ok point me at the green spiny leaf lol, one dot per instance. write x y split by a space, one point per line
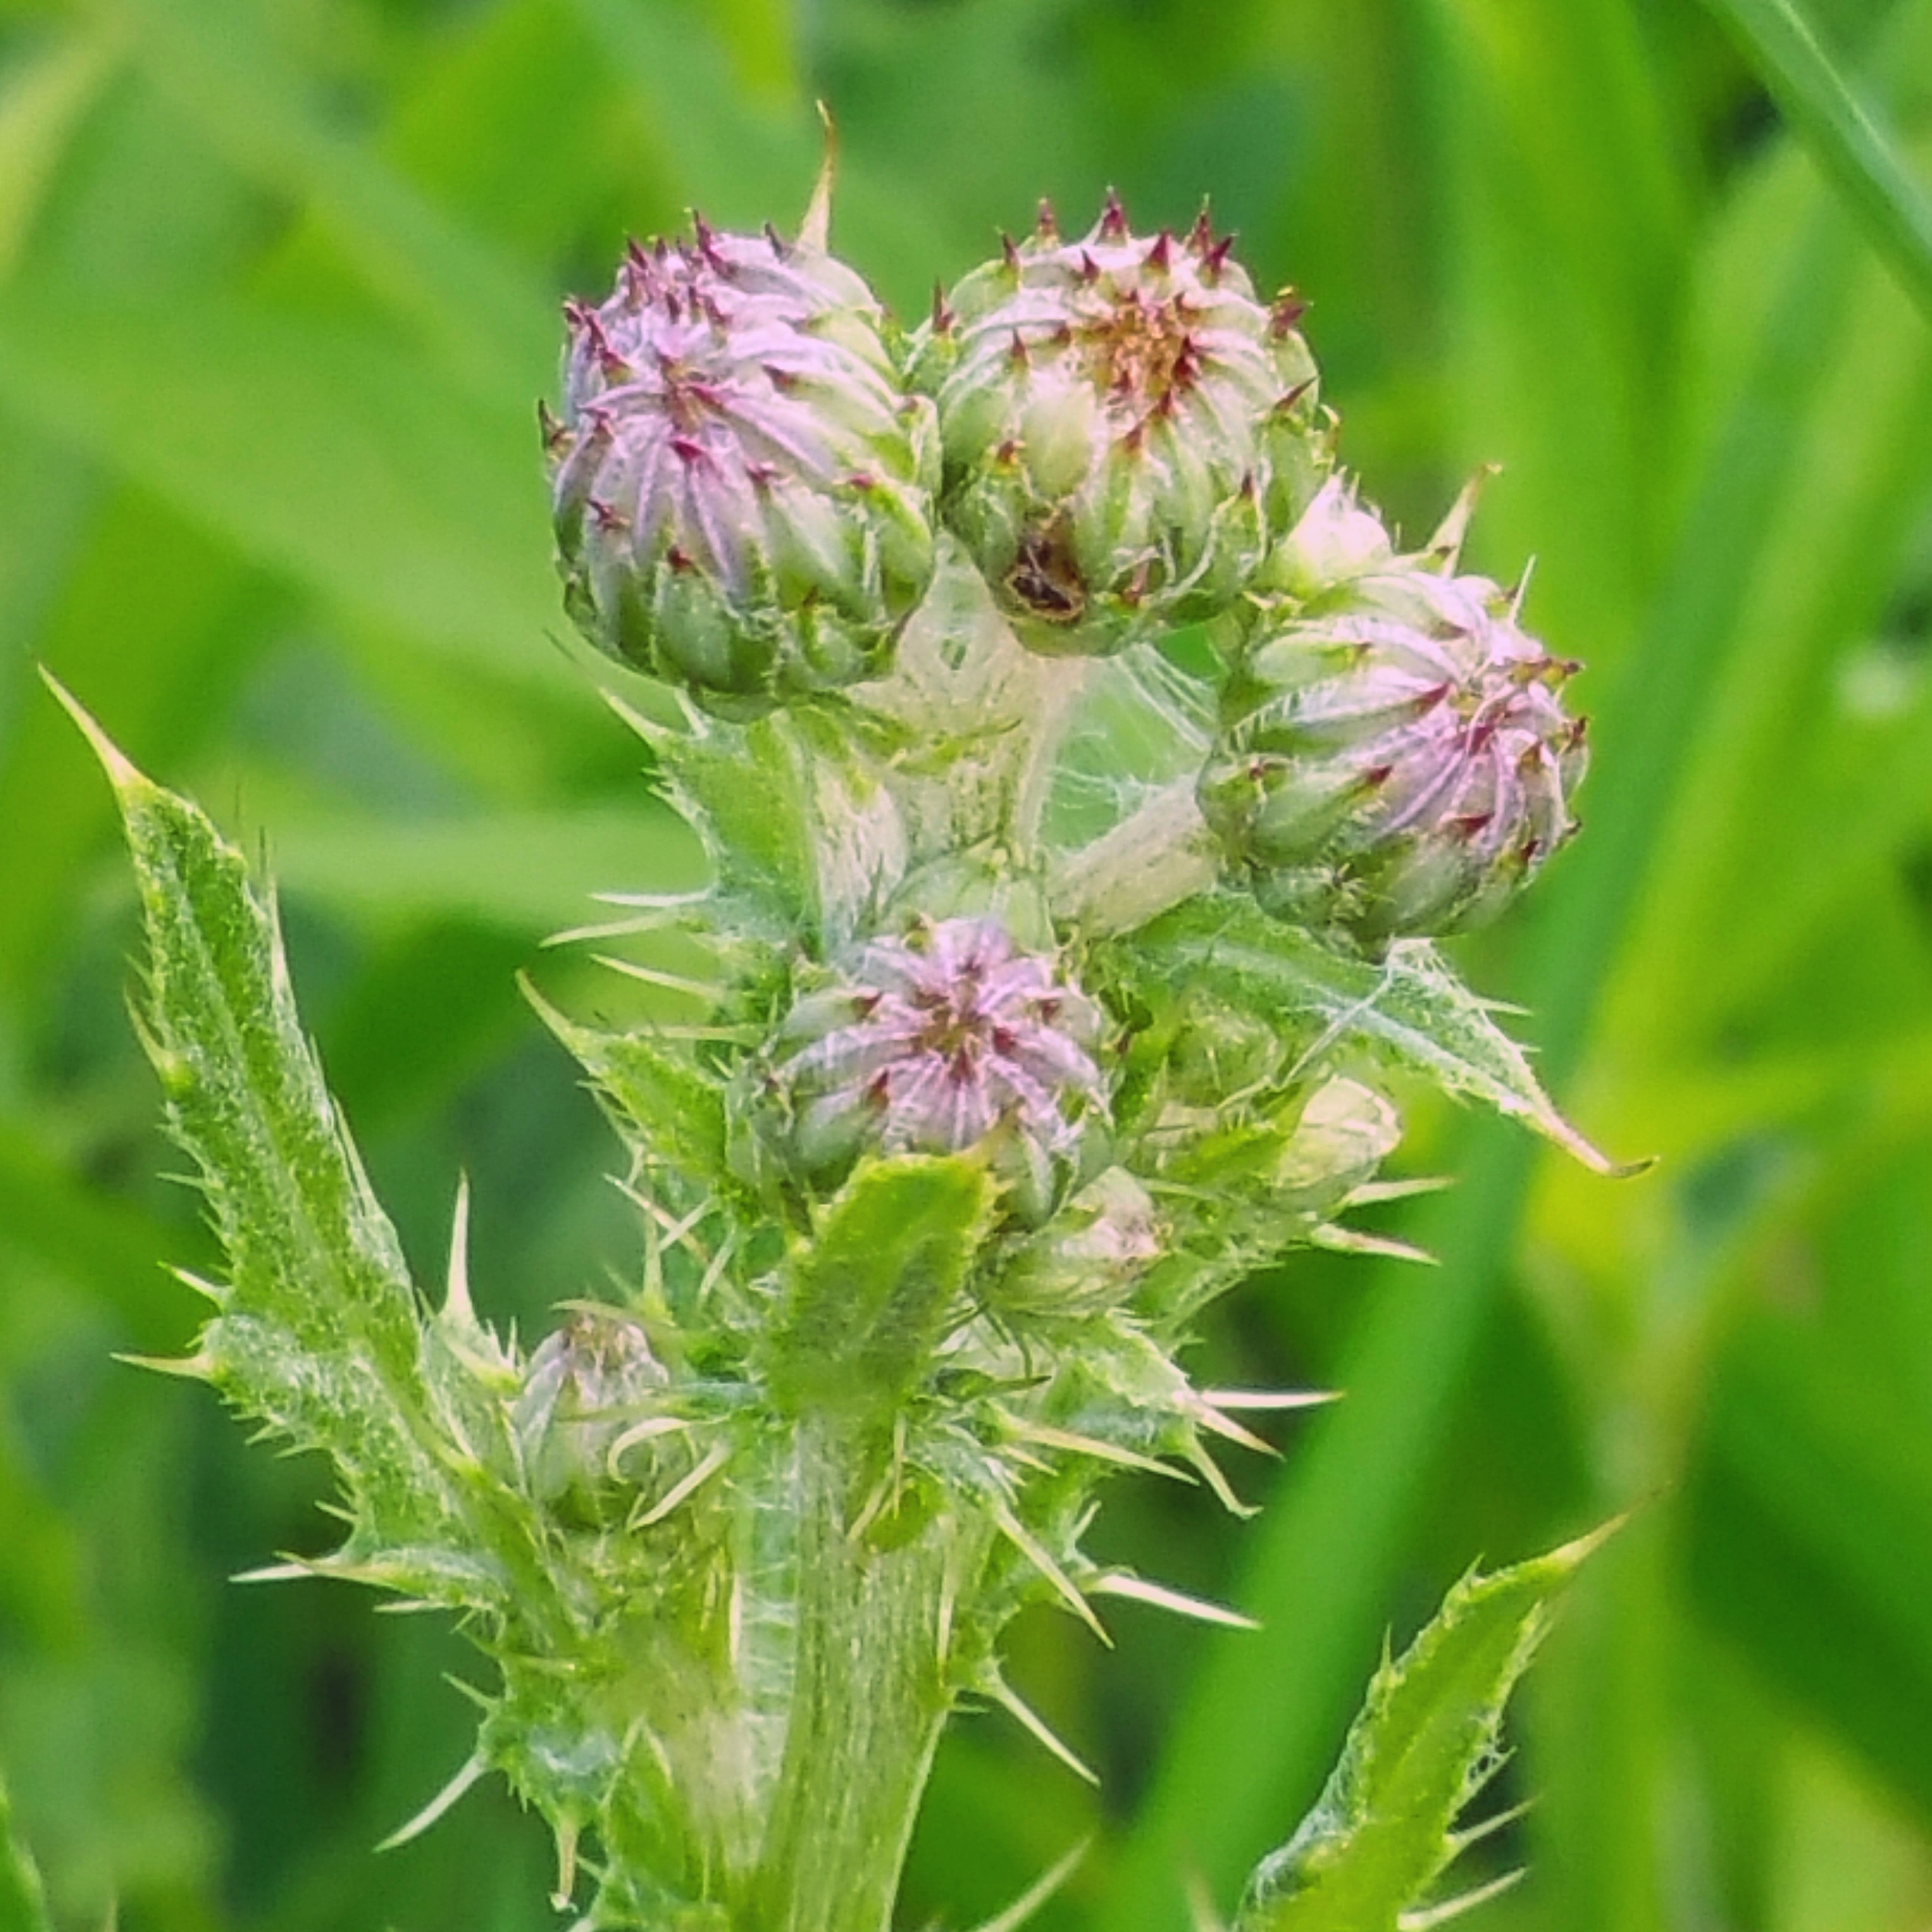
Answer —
869 1294
1423 1746
1410 1007
318 1333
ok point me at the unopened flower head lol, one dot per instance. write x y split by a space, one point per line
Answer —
585 1386
740 484
1126 429
1398 759
936 1041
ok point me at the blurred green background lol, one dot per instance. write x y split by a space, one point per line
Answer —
278 288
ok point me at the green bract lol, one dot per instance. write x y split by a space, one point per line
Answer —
741 487
1127 428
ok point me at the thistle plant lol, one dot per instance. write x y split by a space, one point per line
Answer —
1017 1050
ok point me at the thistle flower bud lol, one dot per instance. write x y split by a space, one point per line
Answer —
740 486
1088 1257
936 1042
585 1386
1126 429
1398 759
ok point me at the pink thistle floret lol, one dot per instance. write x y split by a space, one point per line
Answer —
939 1039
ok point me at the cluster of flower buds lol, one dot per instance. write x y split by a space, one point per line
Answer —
1396 758
934 1042
1127 428
748 480
740 484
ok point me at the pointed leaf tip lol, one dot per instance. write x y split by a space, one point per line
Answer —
121 773
815 231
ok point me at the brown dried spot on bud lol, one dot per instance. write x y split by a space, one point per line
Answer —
1046 577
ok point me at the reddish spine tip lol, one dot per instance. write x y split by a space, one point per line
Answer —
1200 237
860 481
1290 398
553 432
1090 269
1376 776
604 515
1047 223
1009 251
1008 452
1017 354
780 249
783 380
1216 257
1288 310
1113 218
1160 257
1134 438
678 558
687 450
943 316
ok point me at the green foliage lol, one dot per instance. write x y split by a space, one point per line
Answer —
270 511
1427 1742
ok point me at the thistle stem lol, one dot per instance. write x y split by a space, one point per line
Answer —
868 1700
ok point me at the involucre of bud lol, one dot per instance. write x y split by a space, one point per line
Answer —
1396 758
740 486
939 1042
1126 429
588 1382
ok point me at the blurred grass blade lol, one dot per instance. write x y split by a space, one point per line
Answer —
231 83
1809 1507
1838 130
41 104
343 460
1425 1745
23 1903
